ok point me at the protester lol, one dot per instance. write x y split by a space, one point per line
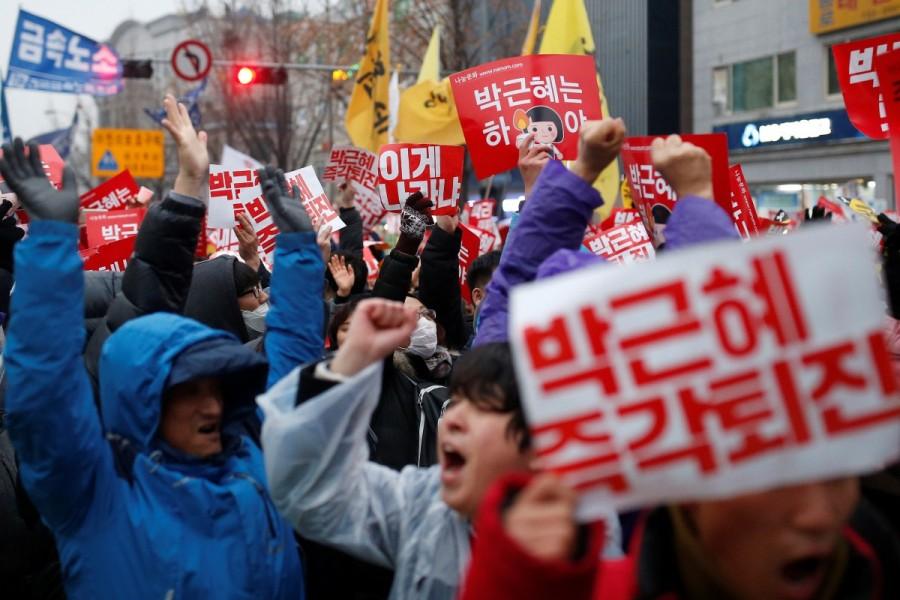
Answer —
415 521
173 501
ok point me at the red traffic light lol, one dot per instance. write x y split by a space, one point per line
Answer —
250 74
245 75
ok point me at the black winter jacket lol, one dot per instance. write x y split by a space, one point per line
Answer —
439 286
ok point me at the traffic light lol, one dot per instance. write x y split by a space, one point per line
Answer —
137 69
247 75
340 75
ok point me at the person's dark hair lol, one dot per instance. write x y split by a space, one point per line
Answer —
340 315
485 377
360 273
545 113
482 269
245 278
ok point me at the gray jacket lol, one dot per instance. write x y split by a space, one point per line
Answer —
323 483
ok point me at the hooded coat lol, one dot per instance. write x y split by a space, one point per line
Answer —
134 518
212 298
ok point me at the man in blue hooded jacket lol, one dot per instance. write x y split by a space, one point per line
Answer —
167 499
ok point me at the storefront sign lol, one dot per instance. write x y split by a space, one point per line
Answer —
801 129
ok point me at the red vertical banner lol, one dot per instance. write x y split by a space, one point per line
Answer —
743 210
888 68
856 69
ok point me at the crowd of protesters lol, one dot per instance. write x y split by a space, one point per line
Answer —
215 430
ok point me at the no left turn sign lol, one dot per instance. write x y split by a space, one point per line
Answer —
191 60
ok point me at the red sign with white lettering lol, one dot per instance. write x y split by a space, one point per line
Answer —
435 171
113 194
863 93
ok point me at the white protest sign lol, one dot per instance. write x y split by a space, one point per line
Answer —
236 160
317 204
232 192
711 372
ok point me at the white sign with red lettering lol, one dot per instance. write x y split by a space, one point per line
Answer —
711 372
316 203
346 163
625 244
232 192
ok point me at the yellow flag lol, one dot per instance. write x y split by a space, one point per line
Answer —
428 115
431 64
368 113
533 26
568 31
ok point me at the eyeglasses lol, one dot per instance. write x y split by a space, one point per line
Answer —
256 291
428 314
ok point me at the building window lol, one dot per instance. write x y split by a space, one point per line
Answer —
755 84
834 84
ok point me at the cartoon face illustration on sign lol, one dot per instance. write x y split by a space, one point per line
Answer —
544 123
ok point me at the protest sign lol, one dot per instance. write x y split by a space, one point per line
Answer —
435 171
469 250
48 57
113 256
370 209
346 163
232 192
652 195
620 216
236 160
480 214
372 267
743 210
625 244
316 203
499 103
113 194
103 227
711 372
888 69
856 71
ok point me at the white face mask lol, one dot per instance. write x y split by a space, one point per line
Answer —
423 341
255 320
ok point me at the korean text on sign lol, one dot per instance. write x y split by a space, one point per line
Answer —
652 195
347 163
713 372
105 227
863 94
48 57
624 244
112 194
499 103
317 204
141 151
235 192
435 171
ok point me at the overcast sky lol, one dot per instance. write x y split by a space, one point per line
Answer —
93 18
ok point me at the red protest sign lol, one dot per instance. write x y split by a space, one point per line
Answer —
620 216
855 64
470 248
105 227
111 257
346 163
499 103
113 194
888 68
625 244
651 193
370 208
435 171
316 203
719 371
372 267
480 214
743 210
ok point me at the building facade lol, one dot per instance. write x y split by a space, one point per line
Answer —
763 74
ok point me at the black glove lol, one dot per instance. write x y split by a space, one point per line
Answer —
890 255
816 213
414 220
287 211
10 234
25 176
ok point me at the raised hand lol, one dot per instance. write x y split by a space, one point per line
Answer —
377 328
343 274
25 176
287 211
532 159
193 156
542 519
599 144
323 240
687 168
347 196
248 242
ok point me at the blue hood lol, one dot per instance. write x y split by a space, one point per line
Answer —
148 355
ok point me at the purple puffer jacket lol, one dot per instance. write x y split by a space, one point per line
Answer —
555 218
